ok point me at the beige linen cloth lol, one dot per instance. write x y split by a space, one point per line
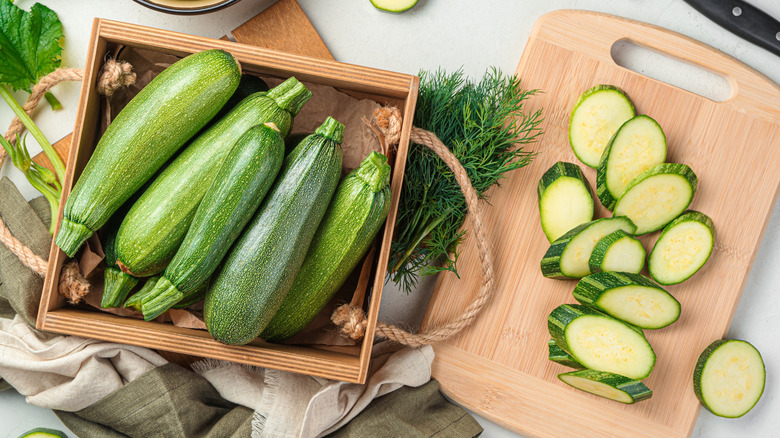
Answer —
70 373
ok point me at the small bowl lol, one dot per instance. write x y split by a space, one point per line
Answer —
186 7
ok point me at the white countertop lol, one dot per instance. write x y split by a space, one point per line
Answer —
449 34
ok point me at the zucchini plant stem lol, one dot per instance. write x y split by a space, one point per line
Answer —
56 162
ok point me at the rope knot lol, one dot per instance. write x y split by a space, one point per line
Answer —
388 120
72 285
351 321
115 75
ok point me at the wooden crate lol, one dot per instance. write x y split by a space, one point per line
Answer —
342 363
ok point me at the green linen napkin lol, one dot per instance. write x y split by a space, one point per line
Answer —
420 412
20 288
168 401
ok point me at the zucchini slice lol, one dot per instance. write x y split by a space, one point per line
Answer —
564 199
394 5
638 145
729 378
618 252
596 116
600 342
629 297
559 355
44 432
682 249
608 385
568 255
657 196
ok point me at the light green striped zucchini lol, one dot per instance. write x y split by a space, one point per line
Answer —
257 273
238 188
356 213
160 119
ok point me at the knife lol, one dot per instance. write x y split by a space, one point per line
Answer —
743 20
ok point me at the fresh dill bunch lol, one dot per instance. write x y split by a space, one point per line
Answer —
484 125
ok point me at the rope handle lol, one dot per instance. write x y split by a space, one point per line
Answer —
352 320
114 75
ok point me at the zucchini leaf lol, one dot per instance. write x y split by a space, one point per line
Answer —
29 44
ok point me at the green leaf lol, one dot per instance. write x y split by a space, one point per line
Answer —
29 44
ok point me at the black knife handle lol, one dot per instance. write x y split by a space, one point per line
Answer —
742 19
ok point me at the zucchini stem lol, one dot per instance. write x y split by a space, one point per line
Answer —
28 123
41 178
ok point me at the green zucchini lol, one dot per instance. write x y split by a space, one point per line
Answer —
657 196
135 300
600 342
629 297
564 199
43 432
157 223
116 284
259 269
356 213
619 252
683 247
236 192
568 255
729 378
559 355
193 297
160 119
608 385
638 145
596 116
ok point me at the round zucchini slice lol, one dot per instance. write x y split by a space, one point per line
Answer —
600 342
596 116
618 252
638 145
657 196
608 385
564 199
682 249
628 297
568 255
729 378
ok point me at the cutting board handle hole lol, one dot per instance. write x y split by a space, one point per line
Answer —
672 71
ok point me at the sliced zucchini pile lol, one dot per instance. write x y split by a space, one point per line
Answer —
683 248
629 297
607 385
568 256
657 196
638 145
729 378
564 199
596 116
619 252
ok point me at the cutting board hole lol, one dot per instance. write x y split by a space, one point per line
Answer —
674 72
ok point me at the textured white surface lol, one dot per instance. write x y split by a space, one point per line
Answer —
454 34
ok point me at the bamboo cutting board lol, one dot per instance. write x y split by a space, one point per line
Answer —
498 367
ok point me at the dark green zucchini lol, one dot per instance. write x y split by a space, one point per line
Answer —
156 225
238 188
150 129
257 273
357 212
